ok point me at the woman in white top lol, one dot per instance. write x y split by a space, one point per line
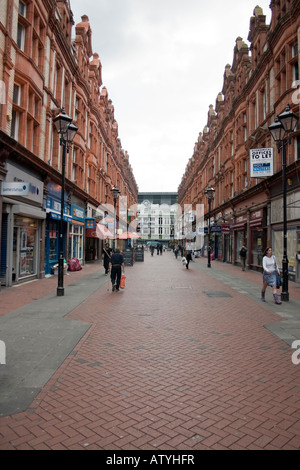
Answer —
269 274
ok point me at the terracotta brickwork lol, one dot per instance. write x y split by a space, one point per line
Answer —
47 63
257 86
47 70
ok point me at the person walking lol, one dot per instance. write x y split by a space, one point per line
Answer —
116 266
243 255
106 254
188 256
270 270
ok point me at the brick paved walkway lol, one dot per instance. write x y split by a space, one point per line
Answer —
177 361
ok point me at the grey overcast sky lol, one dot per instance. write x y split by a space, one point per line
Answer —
163 63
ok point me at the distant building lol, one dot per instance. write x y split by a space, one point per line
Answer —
157 217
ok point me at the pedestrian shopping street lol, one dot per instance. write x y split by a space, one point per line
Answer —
179 360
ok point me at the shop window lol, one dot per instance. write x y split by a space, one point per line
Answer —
257 247
24 247
53 246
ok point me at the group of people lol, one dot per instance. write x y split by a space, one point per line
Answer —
159 249
178 249
113 262
270 271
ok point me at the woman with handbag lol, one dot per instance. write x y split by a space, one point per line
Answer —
270 272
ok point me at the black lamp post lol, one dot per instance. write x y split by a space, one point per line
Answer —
67 131
116 193
285 123
210 194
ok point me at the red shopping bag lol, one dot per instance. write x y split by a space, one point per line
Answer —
122 281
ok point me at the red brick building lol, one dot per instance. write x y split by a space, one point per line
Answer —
42 70
257 86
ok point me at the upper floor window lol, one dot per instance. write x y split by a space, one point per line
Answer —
17 94
22 8
21 37
16 112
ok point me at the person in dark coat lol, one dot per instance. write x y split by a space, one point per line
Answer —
106 254
116 265
188 258
243 255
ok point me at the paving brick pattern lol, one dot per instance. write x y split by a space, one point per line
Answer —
176 361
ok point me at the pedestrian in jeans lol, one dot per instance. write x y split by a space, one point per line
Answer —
269 274
116 265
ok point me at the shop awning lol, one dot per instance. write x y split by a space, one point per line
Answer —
103 233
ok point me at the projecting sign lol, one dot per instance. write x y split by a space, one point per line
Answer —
261 163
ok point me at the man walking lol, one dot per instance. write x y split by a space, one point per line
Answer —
116 265
106 254
243 254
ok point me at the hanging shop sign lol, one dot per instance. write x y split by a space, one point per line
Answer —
261 163
90 223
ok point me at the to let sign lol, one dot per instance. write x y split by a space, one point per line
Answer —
261 163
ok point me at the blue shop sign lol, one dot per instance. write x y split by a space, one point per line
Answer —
53 208
77 213
214 229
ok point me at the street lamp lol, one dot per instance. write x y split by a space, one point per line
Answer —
67 131
210 194
285 123
116 193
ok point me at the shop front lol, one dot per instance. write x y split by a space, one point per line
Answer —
258 238
292 233
53 211
227 243
93 245
240 235
91 240
76 233
22 226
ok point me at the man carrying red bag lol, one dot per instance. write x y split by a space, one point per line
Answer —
116 265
